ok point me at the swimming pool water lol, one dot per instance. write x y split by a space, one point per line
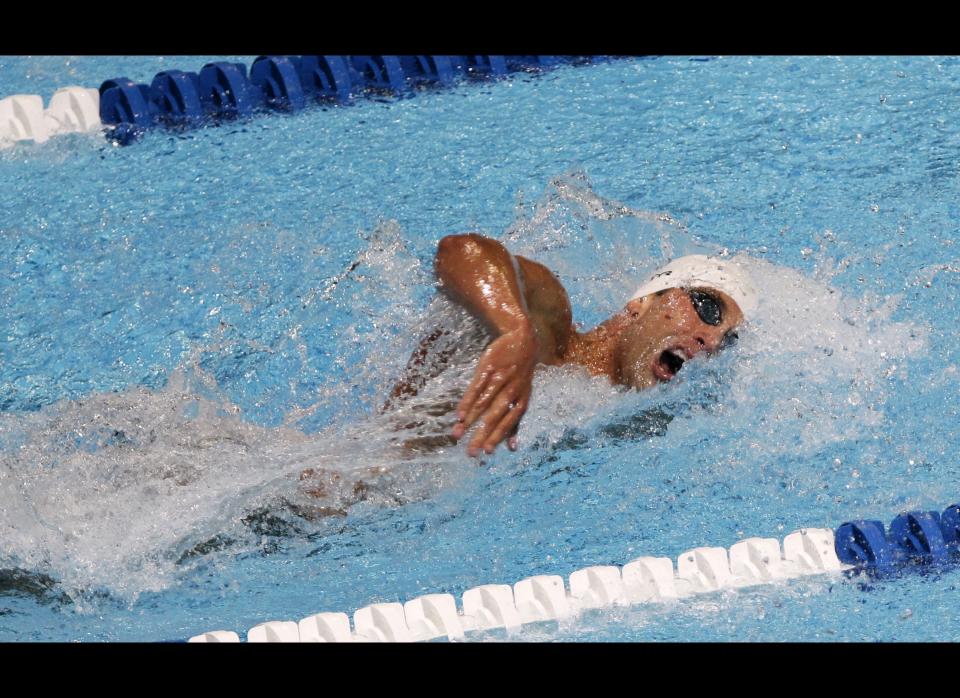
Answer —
189 322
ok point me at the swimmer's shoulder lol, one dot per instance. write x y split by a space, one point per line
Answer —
549 305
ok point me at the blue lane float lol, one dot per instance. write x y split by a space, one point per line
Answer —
177 96
916 538
127 105
222 91
950 525
123 101
532 63
225 91
277 78
481 66
378 73
327 78
864 544
429 70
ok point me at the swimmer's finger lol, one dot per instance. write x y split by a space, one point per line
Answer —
473 391
491 418
512 440
492 390
507 427
506 406
469 398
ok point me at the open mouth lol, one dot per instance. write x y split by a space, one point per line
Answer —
668 363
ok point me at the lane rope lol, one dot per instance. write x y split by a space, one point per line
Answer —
914 540
222 91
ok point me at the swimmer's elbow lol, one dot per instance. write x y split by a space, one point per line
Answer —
457 244
453 249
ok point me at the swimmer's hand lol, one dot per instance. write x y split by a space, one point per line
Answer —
500 391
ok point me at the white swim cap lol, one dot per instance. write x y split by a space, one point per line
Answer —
700 270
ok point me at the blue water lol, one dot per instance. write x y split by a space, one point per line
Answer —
189 322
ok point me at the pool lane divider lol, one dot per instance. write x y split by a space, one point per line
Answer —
546 598
224 91
914 539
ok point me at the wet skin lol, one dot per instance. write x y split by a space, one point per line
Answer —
664 331
528 312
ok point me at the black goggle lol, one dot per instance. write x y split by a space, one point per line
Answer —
707 305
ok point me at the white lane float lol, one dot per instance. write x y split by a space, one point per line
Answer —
71 110
545 598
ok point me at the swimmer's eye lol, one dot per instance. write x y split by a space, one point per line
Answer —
708 307
729 339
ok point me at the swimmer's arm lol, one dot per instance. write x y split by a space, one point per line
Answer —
549 309
506 291
481 275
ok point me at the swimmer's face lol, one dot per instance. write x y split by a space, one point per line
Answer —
671 327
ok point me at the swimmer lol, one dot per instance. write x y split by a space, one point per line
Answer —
521 318
690 307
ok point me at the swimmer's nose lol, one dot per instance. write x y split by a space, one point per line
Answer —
714 342
706 344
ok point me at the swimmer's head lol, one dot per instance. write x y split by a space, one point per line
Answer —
697 270
687 308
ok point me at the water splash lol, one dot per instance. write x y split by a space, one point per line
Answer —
125 491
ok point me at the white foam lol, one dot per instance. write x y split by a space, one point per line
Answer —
112 490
